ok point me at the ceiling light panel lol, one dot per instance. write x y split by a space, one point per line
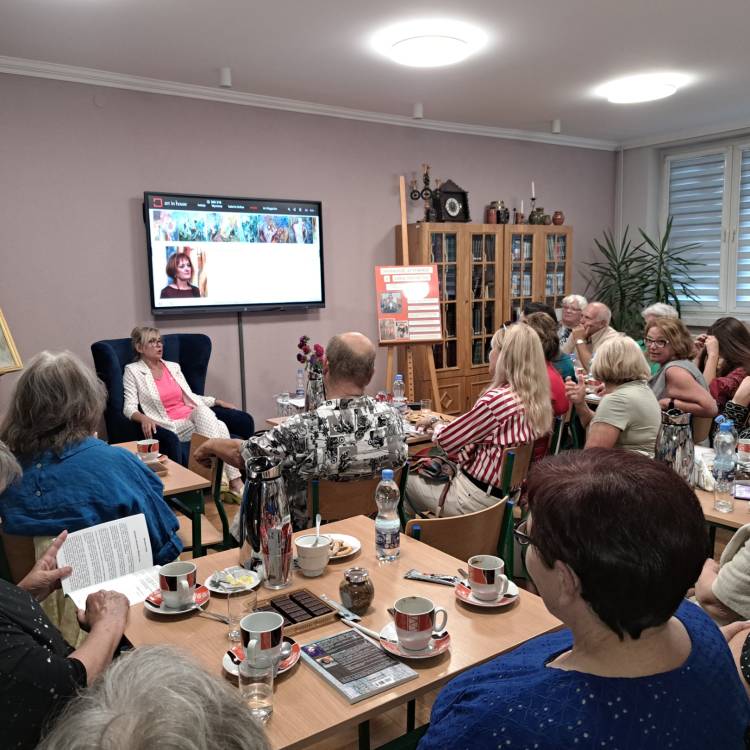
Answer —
647 87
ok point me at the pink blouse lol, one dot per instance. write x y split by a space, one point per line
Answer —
171 396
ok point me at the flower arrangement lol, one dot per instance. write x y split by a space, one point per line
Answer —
310 356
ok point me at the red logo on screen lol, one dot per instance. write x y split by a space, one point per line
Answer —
158 203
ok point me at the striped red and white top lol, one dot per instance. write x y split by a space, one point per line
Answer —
496 421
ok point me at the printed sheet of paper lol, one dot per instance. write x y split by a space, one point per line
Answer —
115 555
408 304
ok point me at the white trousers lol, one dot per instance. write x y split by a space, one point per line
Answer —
423 495
204 422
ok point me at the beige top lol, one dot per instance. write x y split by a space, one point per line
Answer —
633 409
596 340
732 585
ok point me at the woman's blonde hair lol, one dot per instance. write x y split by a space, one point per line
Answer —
521 365
677 334
139 336
620 360
57 402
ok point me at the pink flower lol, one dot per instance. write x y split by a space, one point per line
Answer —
306 349
319 350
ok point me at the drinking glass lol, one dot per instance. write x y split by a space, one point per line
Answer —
283 407
425 405
239 603
256 689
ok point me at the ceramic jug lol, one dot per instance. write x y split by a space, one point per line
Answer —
674 443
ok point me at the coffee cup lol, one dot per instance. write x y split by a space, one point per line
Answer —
177 584
262 637
415 621
312 557
147 450
486 578
743 450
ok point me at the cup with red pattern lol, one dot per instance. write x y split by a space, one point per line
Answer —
486 578
415 618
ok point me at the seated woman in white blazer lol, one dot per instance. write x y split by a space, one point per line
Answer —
166 399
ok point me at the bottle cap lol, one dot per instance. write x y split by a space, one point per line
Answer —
387 474
399 377
725 427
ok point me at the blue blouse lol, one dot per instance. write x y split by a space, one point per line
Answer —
89 483
515 701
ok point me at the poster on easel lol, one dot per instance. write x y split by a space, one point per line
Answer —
408 304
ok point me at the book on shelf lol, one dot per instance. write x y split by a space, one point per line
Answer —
355 666
115 556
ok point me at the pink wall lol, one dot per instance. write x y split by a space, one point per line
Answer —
73 241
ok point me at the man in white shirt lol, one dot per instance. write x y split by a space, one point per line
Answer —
591 333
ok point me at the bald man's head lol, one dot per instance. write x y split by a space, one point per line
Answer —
351 357
596 316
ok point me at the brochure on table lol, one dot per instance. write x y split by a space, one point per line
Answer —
115 555
408 304
355 666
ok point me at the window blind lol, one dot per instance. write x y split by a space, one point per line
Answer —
696 190
742 294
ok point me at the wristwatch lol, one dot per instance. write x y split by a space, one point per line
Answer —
580 341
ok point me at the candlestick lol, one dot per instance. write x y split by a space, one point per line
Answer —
521 207
533 193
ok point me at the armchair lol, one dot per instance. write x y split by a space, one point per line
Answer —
192 351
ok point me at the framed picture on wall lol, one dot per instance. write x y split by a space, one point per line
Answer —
10 361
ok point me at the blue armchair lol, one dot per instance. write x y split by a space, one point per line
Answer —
192 351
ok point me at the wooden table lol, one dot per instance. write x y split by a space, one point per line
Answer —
306 709
183 488
717 520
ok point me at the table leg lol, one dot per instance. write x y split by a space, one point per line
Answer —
711 539
364 735
411 715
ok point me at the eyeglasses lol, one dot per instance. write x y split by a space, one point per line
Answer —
520 535
154 342
655 343
571 307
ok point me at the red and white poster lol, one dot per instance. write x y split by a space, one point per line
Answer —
408 304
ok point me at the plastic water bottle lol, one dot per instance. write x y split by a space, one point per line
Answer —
720 420
399 399
387 523
300 393
724 466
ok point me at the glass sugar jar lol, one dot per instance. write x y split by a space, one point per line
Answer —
356 590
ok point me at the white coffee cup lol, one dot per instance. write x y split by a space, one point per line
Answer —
312 557
147 450
177 584
262 637
415 621
486 578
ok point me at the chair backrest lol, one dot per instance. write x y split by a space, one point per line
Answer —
190 350
207 472
515 466
19 554
463 536
339 500
562 423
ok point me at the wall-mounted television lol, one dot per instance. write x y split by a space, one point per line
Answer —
209 253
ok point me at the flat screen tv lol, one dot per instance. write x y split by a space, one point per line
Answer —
209 253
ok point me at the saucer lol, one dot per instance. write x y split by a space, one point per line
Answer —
463 593
234 570
153 602
348 541
389 642
239 653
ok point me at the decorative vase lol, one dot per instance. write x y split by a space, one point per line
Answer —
547 219
558 218
314 391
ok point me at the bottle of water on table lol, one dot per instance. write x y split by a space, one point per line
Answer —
399 398
724 467
387 523
300 383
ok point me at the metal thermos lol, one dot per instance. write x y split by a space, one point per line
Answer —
265 520
674 444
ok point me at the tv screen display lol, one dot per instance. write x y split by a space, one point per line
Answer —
211 253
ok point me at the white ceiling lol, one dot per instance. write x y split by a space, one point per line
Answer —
543 59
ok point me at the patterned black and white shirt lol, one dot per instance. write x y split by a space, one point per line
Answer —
343 439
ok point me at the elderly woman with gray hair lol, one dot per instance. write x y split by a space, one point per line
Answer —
71 479
39 671
156 697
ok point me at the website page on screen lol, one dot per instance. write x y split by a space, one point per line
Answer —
230 251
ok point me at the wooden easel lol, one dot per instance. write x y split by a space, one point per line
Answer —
411 348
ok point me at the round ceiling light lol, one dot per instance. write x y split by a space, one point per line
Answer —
641 88
429 43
